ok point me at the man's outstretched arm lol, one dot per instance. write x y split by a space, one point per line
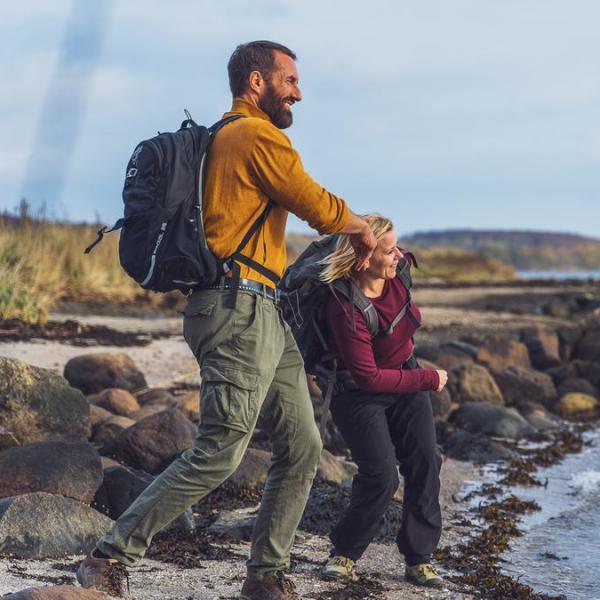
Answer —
362 239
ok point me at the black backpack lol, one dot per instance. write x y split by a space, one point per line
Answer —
162 244
305 297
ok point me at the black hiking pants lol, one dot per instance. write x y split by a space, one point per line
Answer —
381 431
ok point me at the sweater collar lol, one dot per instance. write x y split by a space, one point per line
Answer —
241 106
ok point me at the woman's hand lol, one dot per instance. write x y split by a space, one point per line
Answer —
443 375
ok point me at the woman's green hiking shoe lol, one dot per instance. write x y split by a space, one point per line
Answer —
424 575
339 568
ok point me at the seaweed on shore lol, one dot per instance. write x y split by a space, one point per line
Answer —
363 589
478 559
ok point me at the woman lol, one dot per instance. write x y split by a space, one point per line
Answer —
383 411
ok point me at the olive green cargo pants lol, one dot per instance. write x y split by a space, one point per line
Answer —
252 372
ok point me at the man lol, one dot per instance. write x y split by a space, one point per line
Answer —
251 369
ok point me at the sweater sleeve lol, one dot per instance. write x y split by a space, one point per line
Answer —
278 169
356 351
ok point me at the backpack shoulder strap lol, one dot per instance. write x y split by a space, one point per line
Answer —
355 295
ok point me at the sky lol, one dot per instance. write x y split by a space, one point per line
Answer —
479 114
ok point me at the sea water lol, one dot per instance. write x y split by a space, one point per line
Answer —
559 552
559 275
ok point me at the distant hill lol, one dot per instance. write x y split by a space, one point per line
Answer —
524 250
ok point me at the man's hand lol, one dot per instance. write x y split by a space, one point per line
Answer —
443 375
361 238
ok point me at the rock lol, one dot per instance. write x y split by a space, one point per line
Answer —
441 403
237 524
427 350
92 373
107 434
498 421
557 308
573 404
577 384
7 439
584 369
155 396
252 471
473 383
59 592
538 416
154 442
37 404
498 352
118 402
334 469
452 355
588 347
543 346
519 383
189 405
568 336
68 468
108 462
147 410
472 447
42 525
98 415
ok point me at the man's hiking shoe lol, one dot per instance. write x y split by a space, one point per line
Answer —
103 574
272 587
339 568
424 575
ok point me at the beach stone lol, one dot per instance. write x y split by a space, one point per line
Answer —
499 352
154 396
538 416
69 468
115 400
427 350
92 373
576 403
473 383
106 436
473 447
588 347
441 403
584 369
519 383
147 410
543 346
237 524
334 469
98 415
38 404
577 384
557 308
154 442
498 421
7 439
452 355
568 336
59 592
252 471
42 525
189 405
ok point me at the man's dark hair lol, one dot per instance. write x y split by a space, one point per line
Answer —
253 56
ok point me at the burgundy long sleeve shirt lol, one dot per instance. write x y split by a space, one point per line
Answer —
375 363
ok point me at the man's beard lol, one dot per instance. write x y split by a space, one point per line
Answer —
274 105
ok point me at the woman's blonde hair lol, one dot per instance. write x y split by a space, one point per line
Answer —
339 264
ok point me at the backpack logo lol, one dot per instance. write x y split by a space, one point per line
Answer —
135 156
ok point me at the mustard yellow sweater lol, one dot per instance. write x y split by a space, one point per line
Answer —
250 161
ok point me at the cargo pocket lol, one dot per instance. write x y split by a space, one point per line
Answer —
228 397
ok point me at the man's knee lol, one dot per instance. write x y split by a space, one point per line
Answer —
306 450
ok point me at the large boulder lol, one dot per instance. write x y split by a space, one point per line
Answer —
115 400
584 369
335 469
543 346
518 384
7 439
98 415
588 347
59 592
568 336
441 404
497 421
577 384
252 471
106 436
38 404
92 373
455 353
473 447
189 405
539 417
152 443
68 468
473 383
154 396
499 352
147 410
574 404
42 525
